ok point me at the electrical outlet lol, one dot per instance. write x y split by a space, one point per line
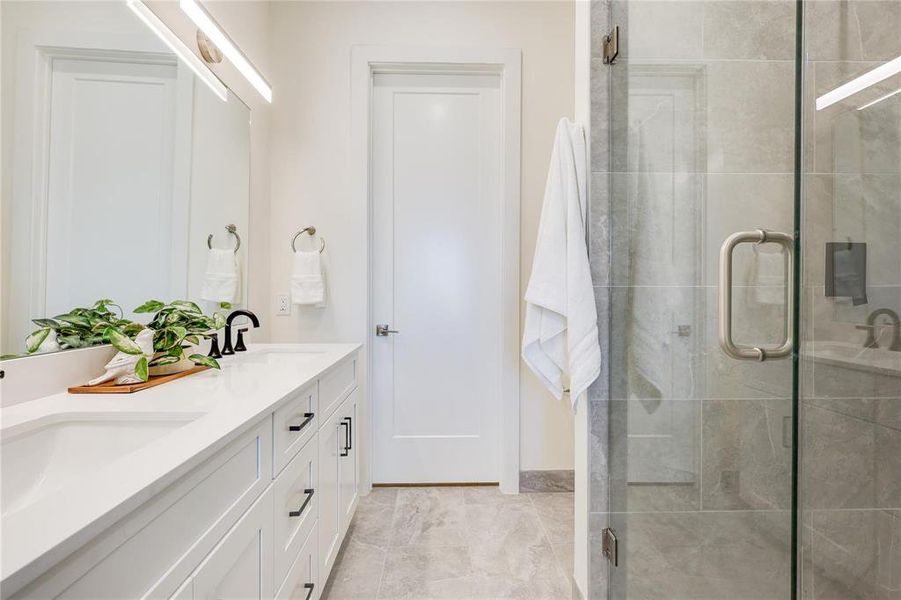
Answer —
282 305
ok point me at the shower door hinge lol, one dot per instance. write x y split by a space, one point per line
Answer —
611 46
609 547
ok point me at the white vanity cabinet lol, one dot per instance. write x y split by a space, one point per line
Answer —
262 517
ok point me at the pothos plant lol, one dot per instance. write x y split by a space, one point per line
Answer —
176 327
82 327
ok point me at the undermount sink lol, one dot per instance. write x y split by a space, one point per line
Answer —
42 456
879 359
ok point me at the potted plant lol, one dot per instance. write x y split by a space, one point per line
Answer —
81 327
178 328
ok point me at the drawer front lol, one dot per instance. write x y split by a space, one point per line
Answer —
336 385
296 506
302 581
293 425
154 549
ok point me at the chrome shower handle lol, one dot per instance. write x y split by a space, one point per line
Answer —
724 295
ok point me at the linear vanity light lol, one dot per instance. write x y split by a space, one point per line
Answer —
880 73
217 35
178 47
880 99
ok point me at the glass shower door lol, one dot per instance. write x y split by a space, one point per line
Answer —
850 351
703 147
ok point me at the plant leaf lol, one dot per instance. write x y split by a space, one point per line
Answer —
34 341
121 342
218 322
75 319
192 339
141 369
206 361
149 307
187 305
225 305
46 323
73 341
10 356
164 360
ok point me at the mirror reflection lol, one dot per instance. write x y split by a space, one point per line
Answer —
124 176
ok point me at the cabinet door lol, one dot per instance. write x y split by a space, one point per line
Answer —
240 566
331 445
348 463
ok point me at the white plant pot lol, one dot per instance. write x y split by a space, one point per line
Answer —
184 364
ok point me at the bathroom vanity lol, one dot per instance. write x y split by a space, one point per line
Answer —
233 483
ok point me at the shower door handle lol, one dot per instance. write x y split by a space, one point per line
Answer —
724 296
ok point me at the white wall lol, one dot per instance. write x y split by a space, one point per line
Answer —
310 153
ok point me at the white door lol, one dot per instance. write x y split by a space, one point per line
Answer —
110 171
436 193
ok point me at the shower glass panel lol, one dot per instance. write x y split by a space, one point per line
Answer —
850 352
735 478
700 444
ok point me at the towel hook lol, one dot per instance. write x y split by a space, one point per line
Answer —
232 230
312 231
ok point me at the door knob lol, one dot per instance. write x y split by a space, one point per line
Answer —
382 330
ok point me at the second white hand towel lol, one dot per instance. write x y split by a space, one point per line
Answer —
307 280
560 338
220 280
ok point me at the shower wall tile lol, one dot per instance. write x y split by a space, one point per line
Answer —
667 30
600 105
843 554
751 117
857 30
753 30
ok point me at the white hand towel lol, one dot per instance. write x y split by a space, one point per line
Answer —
221 278
560 340
307 280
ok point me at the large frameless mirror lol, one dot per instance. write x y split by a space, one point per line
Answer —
121 169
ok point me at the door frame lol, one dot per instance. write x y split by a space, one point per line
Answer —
367 61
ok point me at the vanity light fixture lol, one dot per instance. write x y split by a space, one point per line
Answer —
880 99
179 48
880 73
217 35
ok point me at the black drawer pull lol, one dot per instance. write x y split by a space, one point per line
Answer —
344 450
309 586
306 421
299 511
349 441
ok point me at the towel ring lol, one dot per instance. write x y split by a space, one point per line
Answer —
310 230
232 230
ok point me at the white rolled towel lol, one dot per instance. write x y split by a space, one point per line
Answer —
221 278
307 279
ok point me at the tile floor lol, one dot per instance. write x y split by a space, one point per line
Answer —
470 543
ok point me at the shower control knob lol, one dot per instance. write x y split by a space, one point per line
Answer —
383 331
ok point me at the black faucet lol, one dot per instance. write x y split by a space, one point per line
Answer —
870 328
227 344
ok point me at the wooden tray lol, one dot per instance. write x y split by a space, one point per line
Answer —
130 388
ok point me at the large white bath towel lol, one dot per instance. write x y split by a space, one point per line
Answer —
560 341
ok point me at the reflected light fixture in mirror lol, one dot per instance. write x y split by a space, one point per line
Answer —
880 99
178 47
208 25
880 73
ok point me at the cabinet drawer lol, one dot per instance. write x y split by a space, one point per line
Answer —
153 550
336 385
293 425
296 506
302 582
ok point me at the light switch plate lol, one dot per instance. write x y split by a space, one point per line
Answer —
282 305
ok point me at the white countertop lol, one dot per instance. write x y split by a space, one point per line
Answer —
222 405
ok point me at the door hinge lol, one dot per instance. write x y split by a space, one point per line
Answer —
609 547
611 46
